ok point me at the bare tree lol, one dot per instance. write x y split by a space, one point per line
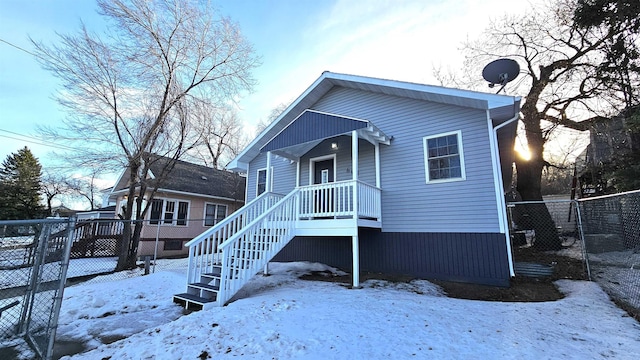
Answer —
131 91
562 81
86 188
275 112
222 137
53 185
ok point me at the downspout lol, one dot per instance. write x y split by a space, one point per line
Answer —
502 209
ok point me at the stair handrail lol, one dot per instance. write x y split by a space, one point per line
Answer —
204 248
288 216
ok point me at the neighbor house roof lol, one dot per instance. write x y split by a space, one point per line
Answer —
501 107
191 179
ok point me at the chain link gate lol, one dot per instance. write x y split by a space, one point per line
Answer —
34 257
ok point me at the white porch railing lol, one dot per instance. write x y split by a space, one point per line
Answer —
204 249
336 199
369 201
249 250
243 243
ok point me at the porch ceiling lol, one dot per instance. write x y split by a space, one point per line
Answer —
312 127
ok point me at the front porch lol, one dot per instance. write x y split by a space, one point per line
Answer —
337 200
337 208
335 203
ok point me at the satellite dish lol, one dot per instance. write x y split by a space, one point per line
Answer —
500 72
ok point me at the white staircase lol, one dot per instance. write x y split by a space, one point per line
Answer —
227 256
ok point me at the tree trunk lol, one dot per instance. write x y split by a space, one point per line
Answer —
529 174
124 247
539 219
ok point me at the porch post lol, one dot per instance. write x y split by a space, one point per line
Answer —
354 171
298 173
267 184
377 157
356 261
354 155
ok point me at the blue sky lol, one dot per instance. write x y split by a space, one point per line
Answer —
297 40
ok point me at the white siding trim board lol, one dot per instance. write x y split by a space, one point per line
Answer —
499 186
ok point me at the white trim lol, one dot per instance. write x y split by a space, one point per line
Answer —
268 186
235 163
265 185
321 158
298 173
425 149
327 80
204 212
113 189
490 100
176 192
499 186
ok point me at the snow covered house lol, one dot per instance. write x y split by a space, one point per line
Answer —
369 175
190 200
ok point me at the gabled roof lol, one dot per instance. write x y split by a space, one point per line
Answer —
502 107
193 179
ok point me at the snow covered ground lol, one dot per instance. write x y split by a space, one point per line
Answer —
618 272
283 317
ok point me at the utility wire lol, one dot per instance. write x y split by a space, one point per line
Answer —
19 48
33 140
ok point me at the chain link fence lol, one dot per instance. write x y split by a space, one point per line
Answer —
97 245
34 256
593 238
39 258
611 226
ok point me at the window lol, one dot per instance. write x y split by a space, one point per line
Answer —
261 181
214 213
172 245
444 160
156 211
183 208
169 212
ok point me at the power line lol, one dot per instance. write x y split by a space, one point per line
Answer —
19 48
33 140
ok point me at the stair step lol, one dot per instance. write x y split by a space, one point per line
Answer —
205 286
210 276
191 302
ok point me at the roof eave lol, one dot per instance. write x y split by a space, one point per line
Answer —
472 99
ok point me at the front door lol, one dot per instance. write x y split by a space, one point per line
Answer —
322 174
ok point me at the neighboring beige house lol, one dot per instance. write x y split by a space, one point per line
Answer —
192 199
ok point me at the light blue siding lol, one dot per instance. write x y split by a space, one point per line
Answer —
366 161
284 175
409 204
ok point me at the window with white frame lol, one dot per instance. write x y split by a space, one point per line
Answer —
261 181
169 212
444 160
214 213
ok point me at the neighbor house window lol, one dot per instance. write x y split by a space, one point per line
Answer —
444 160
214 213
169 212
